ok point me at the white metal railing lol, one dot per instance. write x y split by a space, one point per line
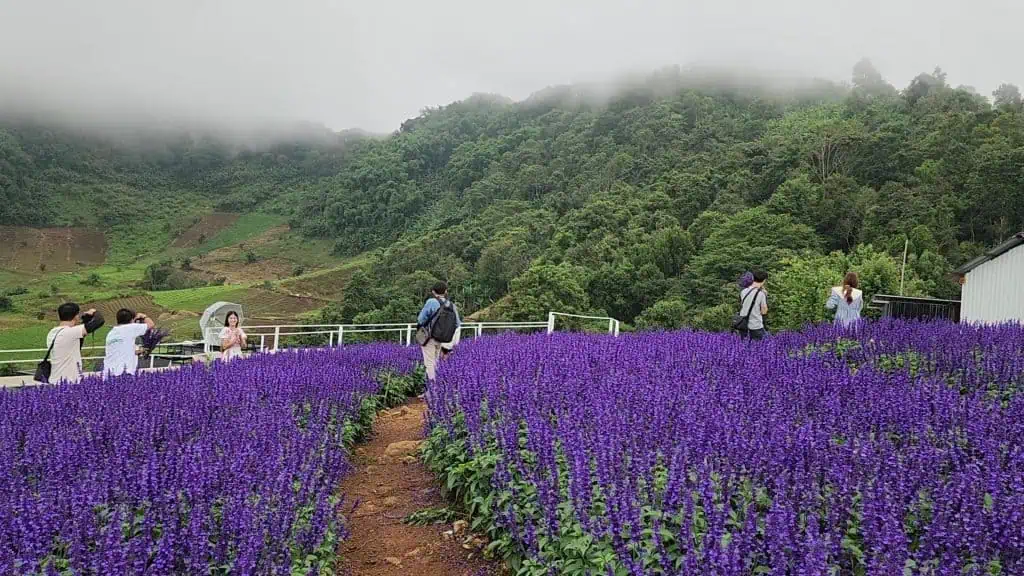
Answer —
36 354
613 324
270 338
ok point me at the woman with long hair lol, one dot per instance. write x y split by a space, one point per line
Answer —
232 338
847 301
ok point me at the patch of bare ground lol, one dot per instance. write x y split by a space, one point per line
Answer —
206 228
230 262
57 249
272 305
240 272
329 284
389 483
141 303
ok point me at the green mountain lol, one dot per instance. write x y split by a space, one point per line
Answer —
646 204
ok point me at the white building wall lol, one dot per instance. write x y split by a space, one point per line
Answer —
994 291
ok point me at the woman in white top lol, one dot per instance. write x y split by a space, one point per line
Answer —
232 338
847 301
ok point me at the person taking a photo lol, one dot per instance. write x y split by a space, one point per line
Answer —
121 357
65 341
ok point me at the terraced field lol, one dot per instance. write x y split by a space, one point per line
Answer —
274 254
327 284
50 249
219 245
257 302
230 262
207 228
243 229
141 303
196 299
274 305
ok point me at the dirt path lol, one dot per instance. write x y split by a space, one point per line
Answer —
390 484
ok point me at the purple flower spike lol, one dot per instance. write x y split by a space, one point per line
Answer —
152 338
184 471
745 280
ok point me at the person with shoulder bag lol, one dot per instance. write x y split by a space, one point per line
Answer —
436 326
749 322
64 344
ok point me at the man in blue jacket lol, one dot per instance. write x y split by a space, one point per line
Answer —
440 319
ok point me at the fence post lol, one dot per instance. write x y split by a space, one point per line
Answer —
206 342
551 322
616 334
330 339
277 337
150 360
263 342
341 334
611 326
408 334
479 329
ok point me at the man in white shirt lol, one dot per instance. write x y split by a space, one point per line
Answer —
121 357
65 341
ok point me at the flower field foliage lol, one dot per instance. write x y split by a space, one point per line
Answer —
895 450
228 469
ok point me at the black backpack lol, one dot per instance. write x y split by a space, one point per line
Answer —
444 323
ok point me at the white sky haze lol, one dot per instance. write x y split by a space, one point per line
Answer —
371 64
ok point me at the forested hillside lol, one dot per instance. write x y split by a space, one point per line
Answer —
142 186
646 206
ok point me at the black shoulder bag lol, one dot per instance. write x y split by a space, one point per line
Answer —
741 322
44 368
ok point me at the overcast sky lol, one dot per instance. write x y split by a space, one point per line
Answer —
373 63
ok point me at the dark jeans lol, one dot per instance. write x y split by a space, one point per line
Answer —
758 334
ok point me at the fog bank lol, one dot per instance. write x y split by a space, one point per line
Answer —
373 64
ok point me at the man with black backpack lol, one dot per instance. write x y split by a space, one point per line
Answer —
436 325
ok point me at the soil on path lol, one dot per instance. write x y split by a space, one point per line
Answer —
390 483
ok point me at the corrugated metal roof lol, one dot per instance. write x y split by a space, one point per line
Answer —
991 293
886 298
1016 240
916 308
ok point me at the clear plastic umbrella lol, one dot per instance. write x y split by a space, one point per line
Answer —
214 317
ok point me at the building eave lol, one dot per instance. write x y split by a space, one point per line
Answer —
1015 241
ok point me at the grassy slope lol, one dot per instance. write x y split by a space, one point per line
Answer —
128 244
196 299
119 277
34 337
328 283
247 226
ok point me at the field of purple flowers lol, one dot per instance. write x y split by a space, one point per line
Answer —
896 450
228 470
